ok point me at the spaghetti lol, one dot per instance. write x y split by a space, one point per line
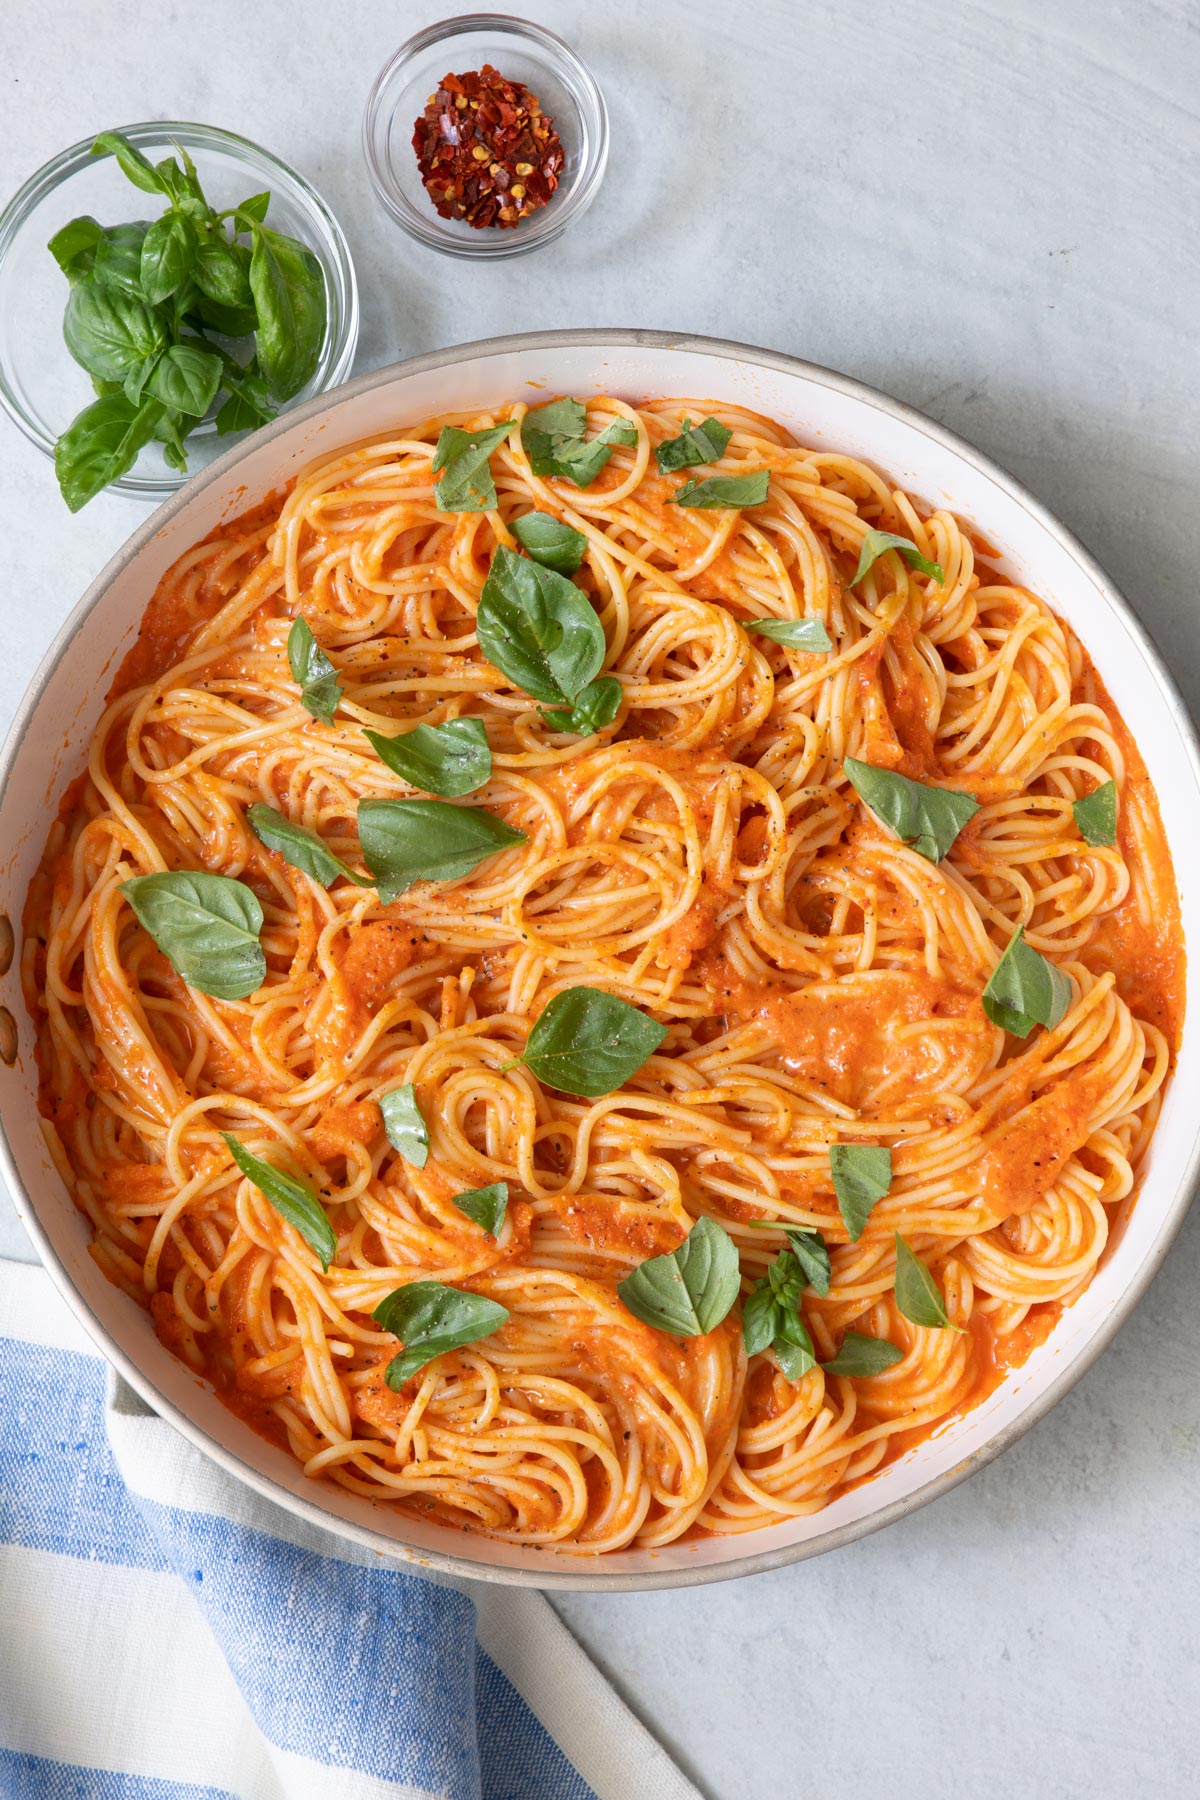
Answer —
702 856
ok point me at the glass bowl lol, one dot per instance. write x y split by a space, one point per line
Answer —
522 52
41 386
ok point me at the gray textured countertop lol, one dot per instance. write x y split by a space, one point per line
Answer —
989 211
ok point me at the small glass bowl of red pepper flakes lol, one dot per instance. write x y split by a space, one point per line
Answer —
542 112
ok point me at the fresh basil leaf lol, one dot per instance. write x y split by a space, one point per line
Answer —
724 490
288 285
795 1359
862 1175
118 260
207 927
862 1356
74 246
918 1296
427 840
107 332
759 1318
876 542
574 460
313 673
430 1318
812 1254
100 444
588 1042
230 321
300 848
549 541
247 406
928 819
168 252
538 629
255 207
404 1123
467 485
562 418
1096 815
222 271
695 444
133 163
451 759
186 379
688 1291
797 634
486 1205
1025 990
554 439
293 1200
596 707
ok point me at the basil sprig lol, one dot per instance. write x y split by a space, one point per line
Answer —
143 297
292 1199
771 1317
688 1291
299 847
876 542
451 759
928 819
918 1296
596 707
427 840
313 673
467 484
430 1318
588 1042
549 541
1096 815
207 927
862 1175
486 1206
1025 990
538 629
796 634
861 1356
808 1247
404 1124
724 490
696 444
555 440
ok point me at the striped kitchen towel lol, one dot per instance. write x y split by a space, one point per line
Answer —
166 1634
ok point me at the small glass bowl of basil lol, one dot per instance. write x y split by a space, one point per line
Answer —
44 388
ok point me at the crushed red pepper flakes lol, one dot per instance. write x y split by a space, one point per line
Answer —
487 152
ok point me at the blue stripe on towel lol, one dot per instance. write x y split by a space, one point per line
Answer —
515 1750
34 1778
59 1488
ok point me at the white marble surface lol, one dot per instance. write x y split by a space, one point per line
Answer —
990 211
